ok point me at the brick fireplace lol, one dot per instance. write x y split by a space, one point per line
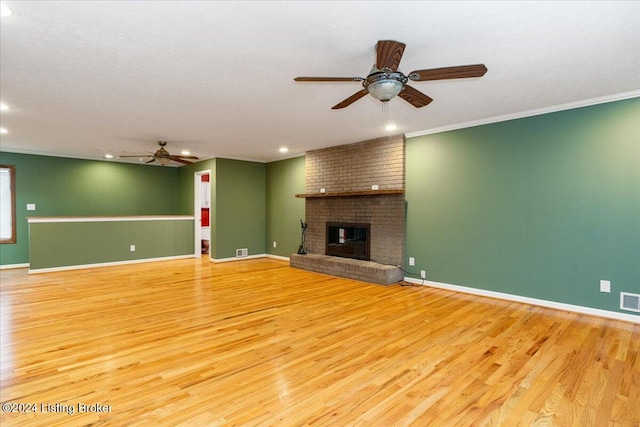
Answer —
360 183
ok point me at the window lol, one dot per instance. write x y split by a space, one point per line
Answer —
7 204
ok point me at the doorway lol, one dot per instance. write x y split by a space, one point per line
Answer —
202 213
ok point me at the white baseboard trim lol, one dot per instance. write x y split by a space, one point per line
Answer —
278 257
281 258
106 264
217 260
12 266
527 300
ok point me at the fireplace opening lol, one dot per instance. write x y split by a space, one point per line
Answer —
348 240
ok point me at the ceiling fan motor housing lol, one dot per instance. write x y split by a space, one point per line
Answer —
384 84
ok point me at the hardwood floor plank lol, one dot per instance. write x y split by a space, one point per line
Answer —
257 343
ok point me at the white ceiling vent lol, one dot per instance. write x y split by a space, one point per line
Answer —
242 252
630 302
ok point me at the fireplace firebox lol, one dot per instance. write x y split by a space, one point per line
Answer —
348 240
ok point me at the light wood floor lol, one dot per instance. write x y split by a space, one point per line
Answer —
256 343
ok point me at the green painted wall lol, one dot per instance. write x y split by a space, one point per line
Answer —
284 211
242 186
81 243
541 207
72 187
240 199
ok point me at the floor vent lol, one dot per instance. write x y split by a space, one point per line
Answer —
242 252
630 302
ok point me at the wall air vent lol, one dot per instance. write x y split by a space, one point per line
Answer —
242 252
630 302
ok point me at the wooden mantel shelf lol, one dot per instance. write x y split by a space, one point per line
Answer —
351 193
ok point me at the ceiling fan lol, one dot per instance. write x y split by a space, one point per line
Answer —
385 81
163 157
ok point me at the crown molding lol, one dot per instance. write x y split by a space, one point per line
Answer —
528 113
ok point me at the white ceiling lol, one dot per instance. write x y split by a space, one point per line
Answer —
83 78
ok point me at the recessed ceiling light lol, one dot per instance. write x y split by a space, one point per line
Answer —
108 156
3 130
3 107
283 149
185 152
391 127
4 10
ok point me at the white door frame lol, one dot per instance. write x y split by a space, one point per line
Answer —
197 205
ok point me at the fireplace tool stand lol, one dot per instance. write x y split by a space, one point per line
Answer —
302 250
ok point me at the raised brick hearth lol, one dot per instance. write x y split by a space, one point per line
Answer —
367 271
372 175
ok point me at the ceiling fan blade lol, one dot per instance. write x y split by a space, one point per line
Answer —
152 160
414 97
329 79
459 72
389 53
139 155
350 100
179 160
185 157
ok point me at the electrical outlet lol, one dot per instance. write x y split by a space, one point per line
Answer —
605 286
132 248
423 274
322 190
374 187
412 261
275 244
31 206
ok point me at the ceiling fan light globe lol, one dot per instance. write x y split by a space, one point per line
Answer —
384 90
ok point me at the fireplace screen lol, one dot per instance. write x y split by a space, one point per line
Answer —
348 240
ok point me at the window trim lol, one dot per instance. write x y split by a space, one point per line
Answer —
12 189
